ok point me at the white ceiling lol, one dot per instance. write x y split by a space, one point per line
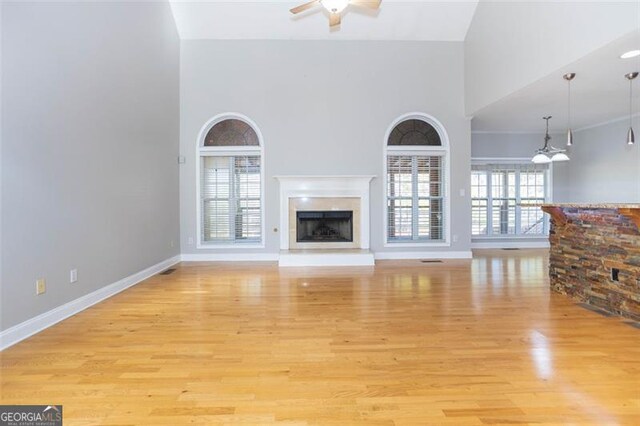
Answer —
599 93
263 19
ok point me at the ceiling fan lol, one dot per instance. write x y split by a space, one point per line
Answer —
335 7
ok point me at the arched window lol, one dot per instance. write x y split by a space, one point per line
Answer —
231 132
230 176
416 185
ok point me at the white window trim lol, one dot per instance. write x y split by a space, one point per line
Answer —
410 150
486 161
224 152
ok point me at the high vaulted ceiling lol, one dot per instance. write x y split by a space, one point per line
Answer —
599 93
270 19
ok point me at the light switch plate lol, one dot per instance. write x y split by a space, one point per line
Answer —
41 286
73 275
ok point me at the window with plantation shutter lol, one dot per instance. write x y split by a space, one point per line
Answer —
230 189
415 183
506 199
479 202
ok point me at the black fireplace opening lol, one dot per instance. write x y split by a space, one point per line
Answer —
331 226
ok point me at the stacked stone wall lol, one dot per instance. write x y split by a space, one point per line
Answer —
595 258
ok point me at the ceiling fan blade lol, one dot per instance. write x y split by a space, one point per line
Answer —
371 4
304 7
334 20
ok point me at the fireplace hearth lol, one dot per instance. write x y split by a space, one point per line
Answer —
331 226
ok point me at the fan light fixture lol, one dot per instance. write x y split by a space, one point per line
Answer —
334 6
631 138
630 54
548 153
570 76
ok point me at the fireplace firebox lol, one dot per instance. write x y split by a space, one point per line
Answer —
331 226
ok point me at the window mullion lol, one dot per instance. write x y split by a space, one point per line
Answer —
504 221
489 201
518 207
232 198
415 210
203 188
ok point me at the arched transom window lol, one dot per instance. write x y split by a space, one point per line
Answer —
230 177
416 189
414 132
231 132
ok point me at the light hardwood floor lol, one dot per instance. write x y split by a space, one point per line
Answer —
457 343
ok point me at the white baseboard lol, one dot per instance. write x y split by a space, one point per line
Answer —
19 332
230 257
509 244
423 255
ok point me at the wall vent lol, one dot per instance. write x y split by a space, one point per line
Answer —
168 271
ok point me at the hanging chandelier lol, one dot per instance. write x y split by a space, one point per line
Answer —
548 153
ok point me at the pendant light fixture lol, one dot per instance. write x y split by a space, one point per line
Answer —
631 138
548 153
569 76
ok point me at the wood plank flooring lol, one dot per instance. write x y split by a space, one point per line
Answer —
457 343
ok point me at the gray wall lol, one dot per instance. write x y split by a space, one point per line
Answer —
505 145
323 108
1 185
511 44
89 146
603 168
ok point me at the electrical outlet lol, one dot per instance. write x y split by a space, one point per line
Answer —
455 238
41 286
190 241
73 275
171 244
463 192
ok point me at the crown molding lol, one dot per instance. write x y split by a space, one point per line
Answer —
506 132
604 123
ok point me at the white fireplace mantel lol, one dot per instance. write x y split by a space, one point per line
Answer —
330 186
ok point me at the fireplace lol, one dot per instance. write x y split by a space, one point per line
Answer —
335 207
324 223
327 226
